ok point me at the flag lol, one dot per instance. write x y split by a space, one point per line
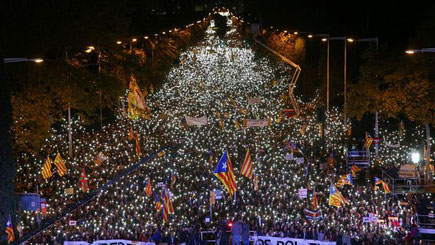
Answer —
335 197
311 215
60 165
137 106
43 206
384 185
167 201
100 159
148 189
83 184
368 142
345 180
236 122
210 157
173 179
331 160
355 169
224 172
303 129
315 201
158 203
248 166
255 182
46 169
137 146
164 213
131 134
10 230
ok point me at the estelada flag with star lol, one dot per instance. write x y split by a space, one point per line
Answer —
225 173
10 230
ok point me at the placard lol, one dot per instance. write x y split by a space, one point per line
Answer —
302 193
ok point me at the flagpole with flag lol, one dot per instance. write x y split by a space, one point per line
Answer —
10 230
225 173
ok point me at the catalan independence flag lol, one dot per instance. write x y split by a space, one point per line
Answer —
60 165
10 230
335 197
148 189
46 169
384 185
368 142
355 169
224 172
345 180
248 165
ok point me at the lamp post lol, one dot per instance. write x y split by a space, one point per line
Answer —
423 50
428 175
16 60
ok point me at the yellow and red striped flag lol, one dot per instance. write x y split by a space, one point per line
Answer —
131 134
46 169
248 165
315 201
137 146
60 165
148 189
355 169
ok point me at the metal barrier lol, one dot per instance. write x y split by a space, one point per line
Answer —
405 185
359 158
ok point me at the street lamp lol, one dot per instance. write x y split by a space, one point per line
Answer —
415 156
16 60
423 50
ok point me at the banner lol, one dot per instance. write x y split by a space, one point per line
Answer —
254 100
266 240
313 215
257 123
30 201
198 121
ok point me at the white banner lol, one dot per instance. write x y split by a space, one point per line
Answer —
257 123
198 121
266 240
254 100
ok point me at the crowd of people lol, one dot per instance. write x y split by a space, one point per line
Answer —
215 79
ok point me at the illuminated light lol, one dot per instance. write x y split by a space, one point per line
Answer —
310 36
285 31
163 33
38 60
134 39
350 40
415 157
118 42
91 47
296 33
410 51
324 39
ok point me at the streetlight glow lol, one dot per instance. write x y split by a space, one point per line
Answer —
118 42
324 39
350 40
134 40
310 36
296 33
415 157
38 60
410 51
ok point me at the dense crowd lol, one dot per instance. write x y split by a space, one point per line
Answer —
215 79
